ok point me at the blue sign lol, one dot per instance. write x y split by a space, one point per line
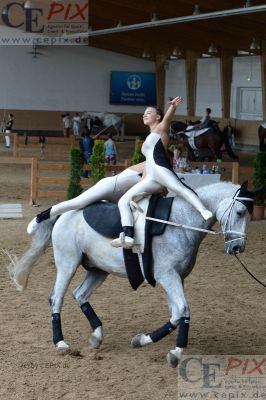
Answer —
133 88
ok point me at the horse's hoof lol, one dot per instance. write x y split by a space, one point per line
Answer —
96 338
62 345
136 341
94 342
172 359
140 340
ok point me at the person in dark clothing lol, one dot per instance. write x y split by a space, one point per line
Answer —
42 143
86 145
8 129
229 131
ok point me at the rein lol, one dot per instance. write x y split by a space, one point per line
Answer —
250 273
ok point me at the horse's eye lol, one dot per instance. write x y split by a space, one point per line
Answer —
240 214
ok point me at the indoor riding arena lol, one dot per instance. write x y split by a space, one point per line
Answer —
94 77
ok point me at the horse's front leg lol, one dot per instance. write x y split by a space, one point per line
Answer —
180 315
93 279
173 286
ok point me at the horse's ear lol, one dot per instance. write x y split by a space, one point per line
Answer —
244 186
244 192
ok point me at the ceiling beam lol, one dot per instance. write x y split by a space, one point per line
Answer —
177 20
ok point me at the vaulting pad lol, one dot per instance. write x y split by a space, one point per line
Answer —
104 218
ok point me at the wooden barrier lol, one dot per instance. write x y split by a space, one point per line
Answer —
55 147
58 184
39 182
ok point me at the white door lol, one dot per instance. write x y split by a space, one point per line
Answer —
250 103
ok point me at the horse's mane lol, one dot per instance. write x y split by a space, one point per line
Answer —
218 191
211 194
219 186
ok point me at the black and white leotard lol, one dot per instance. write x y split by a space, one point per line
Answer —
159 173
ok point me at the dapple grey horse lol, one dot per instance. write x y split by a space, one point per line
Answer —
174 255
108 120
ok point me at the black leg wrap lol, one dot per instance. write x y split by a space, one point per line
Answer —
57 330
129 231
90 314
182 338
43 215
162 332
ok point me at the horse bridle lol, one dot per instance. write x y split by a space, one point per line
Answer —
228 218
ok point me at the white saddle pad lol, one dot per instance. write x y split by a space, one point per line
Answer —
192 133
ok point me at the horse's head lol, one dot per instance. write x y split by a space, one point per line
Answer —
234 214
177 127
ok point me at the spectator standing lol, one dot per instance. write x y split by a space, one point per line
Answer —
86 145
67 125
230 132
110 151
8 129
42 143
76 124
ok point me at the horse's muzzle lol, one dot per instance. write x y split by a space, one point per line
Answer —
235 246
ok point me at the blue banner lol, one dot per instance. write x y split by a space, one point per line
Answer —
133 88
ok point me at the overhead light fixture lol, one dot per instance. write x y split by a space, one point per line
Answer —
212 49
248 3
154 17
176 54
119 23
196 9
146 55
255 45
28 4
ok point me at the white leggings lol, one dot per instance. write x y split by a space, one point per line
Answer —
111 188
164 177
7 139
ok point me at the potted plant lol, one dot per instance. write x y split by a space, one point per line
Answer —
138 157
259 181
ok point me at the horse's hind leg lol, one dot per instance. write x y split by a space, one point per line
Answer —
94 278
66 268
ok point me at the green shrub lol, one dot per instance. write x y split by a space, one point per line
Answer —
97 162
259 177
76 163
138 157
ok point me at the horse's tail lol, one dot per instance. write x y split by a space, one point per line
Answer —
228 147
20 269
